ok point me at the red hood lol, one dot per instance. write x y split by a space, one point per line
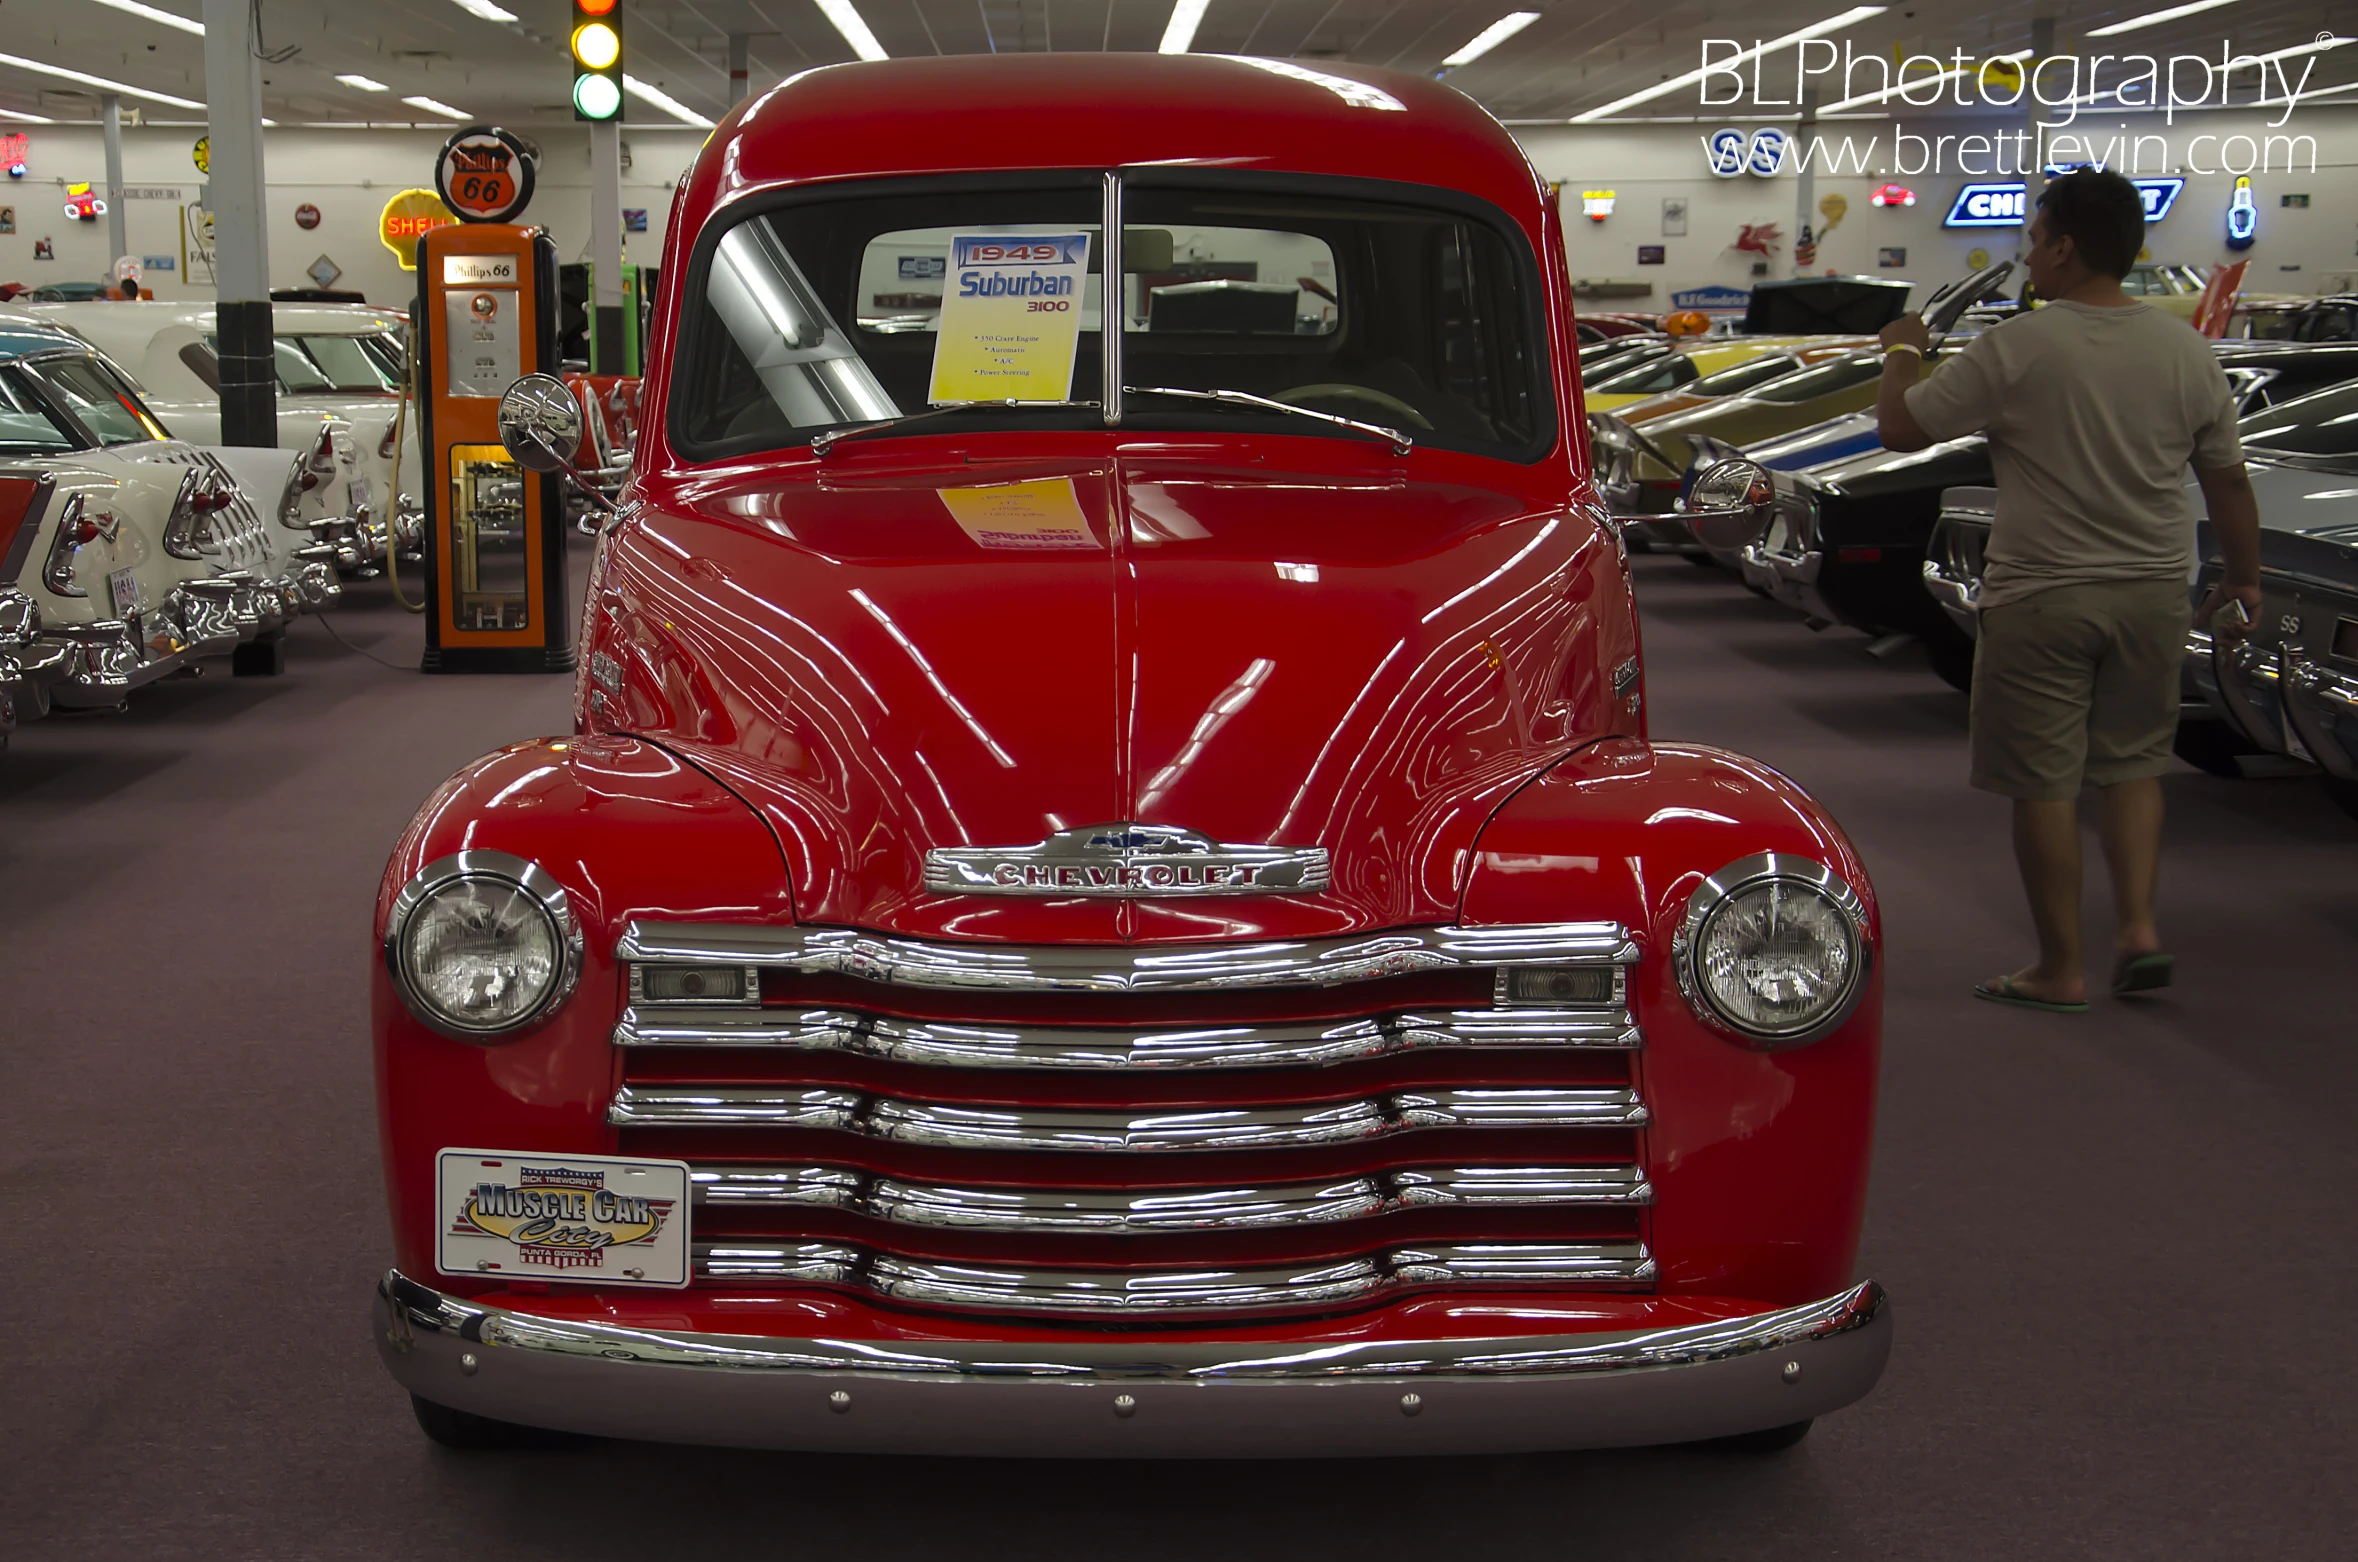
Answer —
885 658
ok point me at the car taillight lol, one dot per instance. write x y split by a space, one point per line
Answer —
385 445
322 464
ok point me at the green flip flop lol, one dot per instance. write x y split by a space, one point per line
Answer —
2006 992
2142 974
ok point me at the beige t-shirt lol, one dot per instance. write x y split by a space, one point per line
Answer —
2093 415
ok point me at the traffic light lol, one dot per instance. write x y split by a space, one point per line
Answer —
597 59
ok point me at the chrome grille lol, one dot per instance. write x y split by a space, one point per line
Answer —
1094 1132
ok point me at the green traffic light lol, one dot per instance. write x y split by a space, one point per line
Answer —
597 97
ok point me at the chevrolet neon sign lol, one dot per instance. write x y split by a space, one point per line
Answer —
2003 204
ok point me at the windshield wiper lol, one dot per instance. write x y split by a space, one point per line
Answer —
1401 444
827 439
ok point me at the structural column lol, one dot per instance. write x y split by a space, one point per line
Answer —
1805 186
740 67
117 245
606 324
2034 171
241 252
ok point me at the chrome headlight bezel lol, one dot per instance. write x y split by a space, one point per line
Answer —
1718 890
484 867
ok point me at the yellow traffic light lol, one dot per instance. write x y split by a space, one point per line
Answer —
597 45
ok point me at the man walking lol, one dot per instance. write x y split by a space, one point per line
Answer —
2095 405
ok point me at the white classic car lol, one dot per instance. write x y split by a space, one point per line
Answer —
339 366
133 554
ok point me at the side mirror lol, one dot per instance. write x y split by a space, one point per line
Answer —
540 423
1730 505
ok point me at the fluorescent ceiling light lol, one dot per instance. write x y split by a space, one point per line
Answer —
485 9
1186 17
99 82
363 83
851 24
1832 24
663 100
1500 31
29 119
1913 82
437 106
2156 18
154 15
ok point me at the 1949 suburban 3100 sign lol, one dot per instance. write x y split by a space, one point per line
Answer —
1109 893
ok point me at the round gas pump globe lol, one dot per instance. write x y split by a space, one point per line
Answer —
597 96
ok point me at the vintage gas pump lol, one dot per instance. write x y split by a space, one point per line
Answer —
486 315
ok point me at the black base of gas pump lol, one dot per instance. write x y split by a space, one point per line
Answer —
478 659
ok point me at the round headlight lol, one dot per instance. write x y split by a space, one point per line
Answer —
1774 949
482 944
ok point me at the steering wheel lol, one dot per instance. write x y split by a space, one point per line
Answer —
1339 392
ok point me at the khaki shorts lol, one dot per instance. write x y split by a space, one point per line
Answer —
2078 686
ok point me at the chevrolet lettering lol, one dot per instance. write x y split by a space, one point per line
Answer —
1126 860
1108 893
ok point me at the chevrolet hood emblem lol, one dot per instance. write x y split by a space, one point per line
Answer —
1126 861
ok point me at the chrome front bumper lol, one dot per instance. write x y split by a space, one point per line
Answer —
2282 698
1106 1397
1790 578
1957 598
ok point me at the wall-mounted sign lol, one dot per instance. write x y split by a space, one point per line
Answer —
1758 238
1833 208
7 219
1674 216
44 250
485 174
1729 151
2002 205
83 204
1898 256
1805 248
151 192
202 154
1596 205
2243 218
1650 254
16 150
323 272
306 216
1893 195
160 262
2292 200
1976 258
406 216
1713 298
634 219
1725 151
923 268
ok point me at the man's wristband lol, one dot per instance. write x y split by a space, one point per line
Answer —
1896 348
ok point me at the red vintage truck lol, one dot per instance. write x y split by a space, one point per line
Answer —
1136 915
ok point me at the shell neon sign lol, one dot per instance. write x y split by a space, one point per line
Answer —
405 217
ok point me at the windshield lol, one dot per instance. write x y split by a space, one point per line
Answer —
2322 428
98 401
827 312
1728 382
27 428
1824 380
343 363
1665 373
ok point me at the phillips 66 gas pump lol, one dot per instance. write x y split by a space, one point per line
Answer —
486 315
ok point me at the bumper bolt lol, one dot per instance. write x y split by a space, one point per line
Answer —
468 1363
839 1402
1125 1405
1792 1373
1410 1404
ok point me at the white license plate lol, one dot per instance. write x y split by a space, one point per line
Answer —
123 586
600 1219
